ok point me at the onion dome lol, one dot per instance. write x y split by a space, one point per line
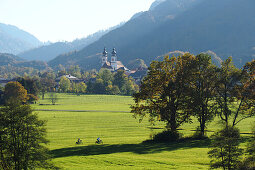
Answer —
105 52
114 52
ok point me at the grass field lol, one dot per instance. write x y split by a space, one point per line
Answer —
122 136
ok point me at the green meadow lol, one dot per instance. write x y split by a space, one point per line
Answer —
91 116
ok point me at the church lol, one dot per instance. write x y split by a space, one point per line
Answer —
114 64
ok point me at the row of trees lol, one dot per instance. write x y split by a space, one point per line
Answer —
105 82
180 88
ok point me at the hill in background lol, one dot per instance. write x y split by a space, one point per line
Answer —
49 52
225 27
14 40
12 61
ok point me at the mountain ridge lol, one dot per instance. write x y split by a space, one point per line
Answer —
14 40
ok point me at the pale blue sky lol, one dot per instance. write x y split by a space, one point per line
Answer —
54 20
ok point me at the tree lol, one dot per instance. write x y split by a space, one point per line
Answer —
235 93
163 92
249 161
47 82
120 78
14 92
106 75
22 139
226 152
81 87
203 90
64 84
75 71
30 85
53 97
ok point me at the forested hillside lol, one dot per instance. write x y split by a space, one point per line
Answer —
222 26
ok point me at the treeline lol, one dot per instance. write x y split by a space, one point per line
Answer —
180 88
102 82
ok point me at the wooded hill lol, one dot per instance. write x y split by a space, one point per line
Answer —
225 27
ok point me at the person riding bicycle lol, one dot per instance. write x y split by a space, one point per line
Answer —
79 141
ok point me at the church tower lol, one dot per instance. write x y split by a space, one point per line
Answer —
104 57
114 59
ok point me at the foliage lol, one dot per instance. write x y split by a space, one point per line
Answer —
204 78
81 88
75 71
47 81
166 136
64 84
163 92
30 84
249 162
235 93
226 152
22 136
112 83
14 92
32 98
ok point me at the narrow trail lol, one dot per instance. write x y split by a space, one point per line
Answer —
81 110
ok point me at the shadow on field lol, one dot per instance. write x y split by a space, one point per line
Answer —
143 148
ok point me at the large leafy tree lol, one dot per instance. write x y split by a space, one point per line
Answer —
22 139
14 92
163 92
203 90
30 84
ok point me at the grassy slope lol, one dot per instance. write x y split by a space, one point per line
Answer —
122 136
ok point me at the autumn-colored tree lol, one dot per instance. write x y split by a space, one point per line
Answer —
14 92
163 92
22 139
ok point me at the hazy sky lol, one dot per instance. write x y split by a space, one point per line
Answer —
54 20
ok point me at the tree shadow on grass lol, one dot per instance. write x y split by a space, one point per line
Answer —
142 148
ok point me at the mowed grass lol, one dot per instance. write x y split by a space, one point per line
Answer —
122 136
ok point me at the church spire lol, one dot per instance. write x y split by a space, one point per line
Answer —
114 52
105 52
104 57
114 59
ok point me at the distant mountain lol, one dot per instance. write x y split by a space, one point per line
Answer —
156 3
14 61
50 51
223 27
136 28
14 40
